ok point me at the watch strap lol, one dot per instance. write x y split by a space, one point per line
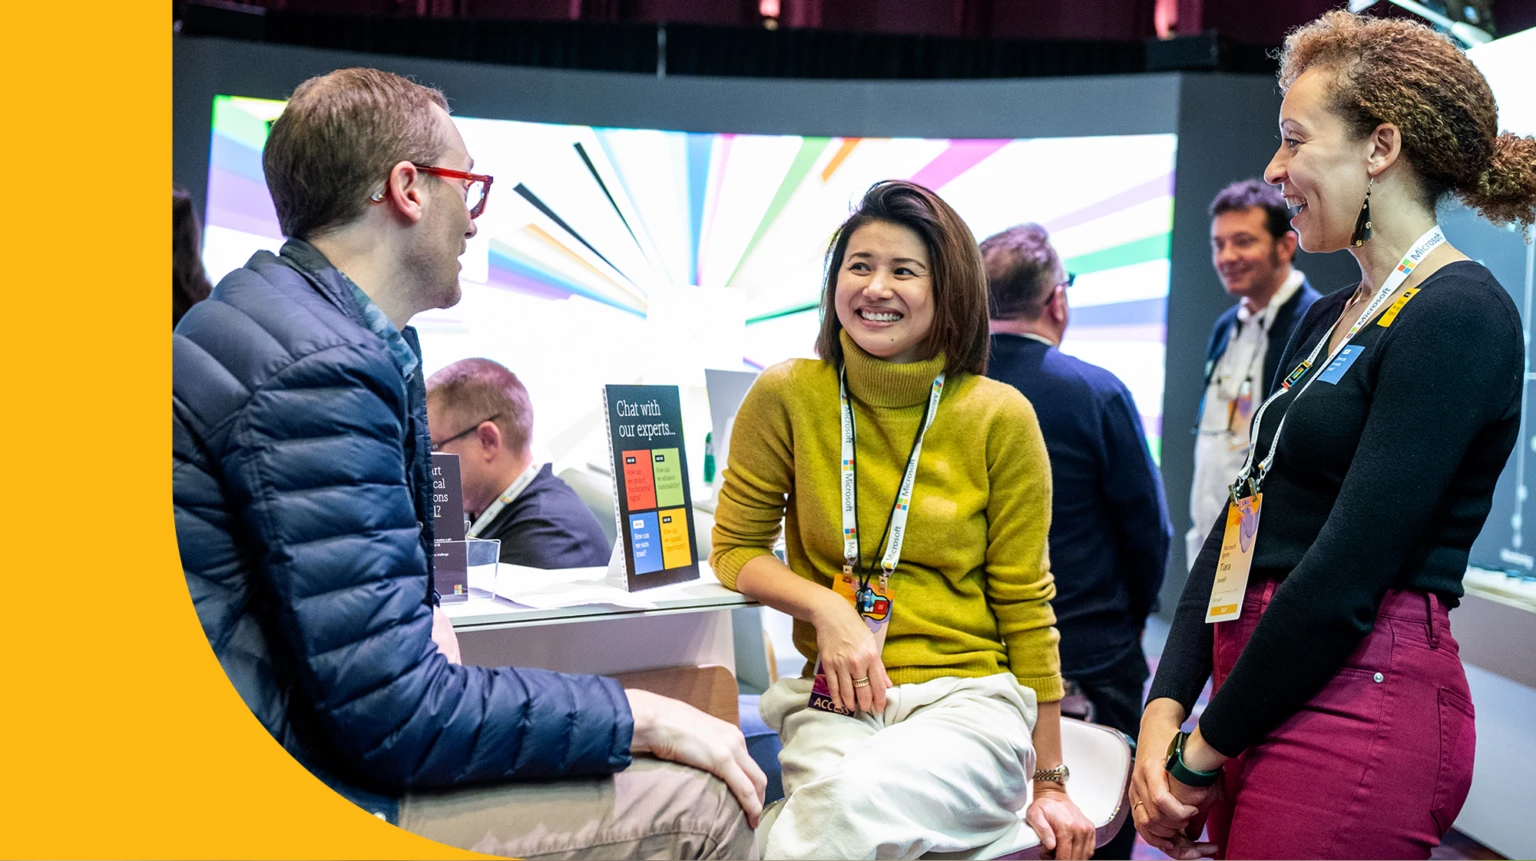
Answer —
1183 773
1056 775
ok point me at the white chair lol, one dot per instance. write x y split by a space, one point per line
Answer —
1100 759
596 492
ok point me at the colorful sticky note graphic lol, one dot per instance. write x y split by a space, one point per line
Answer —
669 477
647 543
676 548
639 488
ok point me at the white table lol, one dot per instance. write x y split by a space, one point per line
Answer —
690 624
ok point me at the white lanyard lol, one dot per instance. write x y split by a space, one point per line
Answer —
505 499
1431 240
1255 370
898 521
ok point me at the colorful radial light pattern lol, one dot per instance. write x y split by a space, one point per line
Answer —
620 255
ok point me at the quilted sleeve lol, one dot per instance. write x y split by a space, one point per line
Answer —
317 474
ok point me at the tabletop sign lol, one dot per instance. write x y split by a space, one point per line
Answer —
653 506
450 565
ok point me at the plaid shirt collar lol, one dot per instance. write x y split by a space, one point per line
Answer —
405 358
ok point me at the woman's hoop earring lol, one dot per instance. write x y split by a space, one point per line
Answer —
1362 233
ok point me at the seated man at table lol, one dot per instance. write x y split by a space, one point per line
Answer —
480 411
303 500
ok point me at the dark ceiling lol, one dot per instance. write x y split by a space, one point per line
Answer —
810 38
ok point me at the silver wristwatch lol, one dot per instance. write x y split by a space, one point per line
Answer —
1057 775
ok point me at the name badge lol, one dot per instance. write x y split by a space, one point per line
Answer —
1235 560
1336 368
873 603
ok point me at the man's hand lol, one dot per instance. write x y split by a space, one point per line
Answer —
443 636
1064 831
675 731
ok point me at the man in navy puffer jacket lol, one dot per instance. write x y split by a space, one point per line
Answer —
300 465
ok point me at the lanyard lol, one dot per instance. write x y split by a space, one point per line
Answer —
897 524
1255 370
505 499
1431 240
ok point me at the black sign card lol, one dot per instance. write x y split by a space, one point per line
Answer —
652 502
449 557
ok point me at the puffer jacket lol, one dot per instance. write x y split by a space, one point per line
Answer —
299 469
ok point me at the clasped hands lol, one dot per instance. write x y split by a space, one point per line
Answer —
1169 814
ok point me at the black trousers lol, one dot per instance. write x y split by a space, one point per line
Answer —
1116 695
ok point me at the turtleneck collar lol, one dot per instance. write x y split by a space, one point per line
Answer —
887 384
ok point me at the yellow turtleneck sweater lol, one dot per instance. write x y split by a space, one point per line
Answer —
972 592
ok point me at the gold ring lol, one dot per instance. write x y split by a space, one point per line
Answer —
861 683
1137 804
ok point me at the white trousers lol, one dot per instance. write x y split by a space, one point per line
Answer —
945 768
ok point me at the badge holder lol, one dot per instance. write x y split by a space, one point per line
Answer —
873 604
1236 559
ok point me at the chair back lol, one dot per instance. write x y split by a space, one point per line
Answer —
596 492
1100 759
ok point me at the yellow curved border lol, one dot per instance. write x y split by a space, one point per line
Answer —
124 738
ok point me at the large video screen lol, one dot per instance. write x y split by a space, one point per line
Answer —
610 255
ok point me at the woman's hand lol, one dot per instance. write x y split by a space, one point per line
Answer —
1202 798
850 656
1064 831
1160 815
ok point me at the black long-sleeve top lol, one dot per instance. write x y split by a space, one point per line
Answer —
1382 481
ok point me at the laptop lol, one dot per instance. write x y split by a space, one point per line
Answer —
726 390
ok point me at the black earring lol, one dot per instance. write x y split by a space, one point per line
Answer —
1363 223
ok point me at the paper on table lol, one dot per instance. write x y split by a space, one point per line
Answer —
547 589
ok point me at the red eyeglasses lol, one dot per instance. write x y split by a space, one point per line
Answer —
476 192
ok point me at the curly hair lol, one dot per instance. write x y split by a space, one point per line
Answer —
1401 72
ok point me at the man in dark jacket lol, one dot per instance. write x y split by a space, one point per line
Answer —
1110 530
1252 246
481 412
300 471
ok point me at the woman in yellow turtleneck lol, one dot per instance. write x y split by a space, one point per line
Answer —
930 724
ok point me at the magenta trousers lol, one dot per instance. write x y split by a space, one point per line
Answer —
1376 765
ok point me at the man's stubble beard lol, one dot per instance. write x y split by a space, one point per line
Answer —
435 271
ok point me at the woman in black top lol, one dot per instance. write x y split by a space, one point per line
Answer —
1341 725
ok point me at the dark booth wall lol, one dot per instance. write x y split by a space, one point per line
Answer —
1225 123
1228 130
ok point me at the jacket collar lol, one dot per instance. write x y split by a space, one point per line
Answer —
344 293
